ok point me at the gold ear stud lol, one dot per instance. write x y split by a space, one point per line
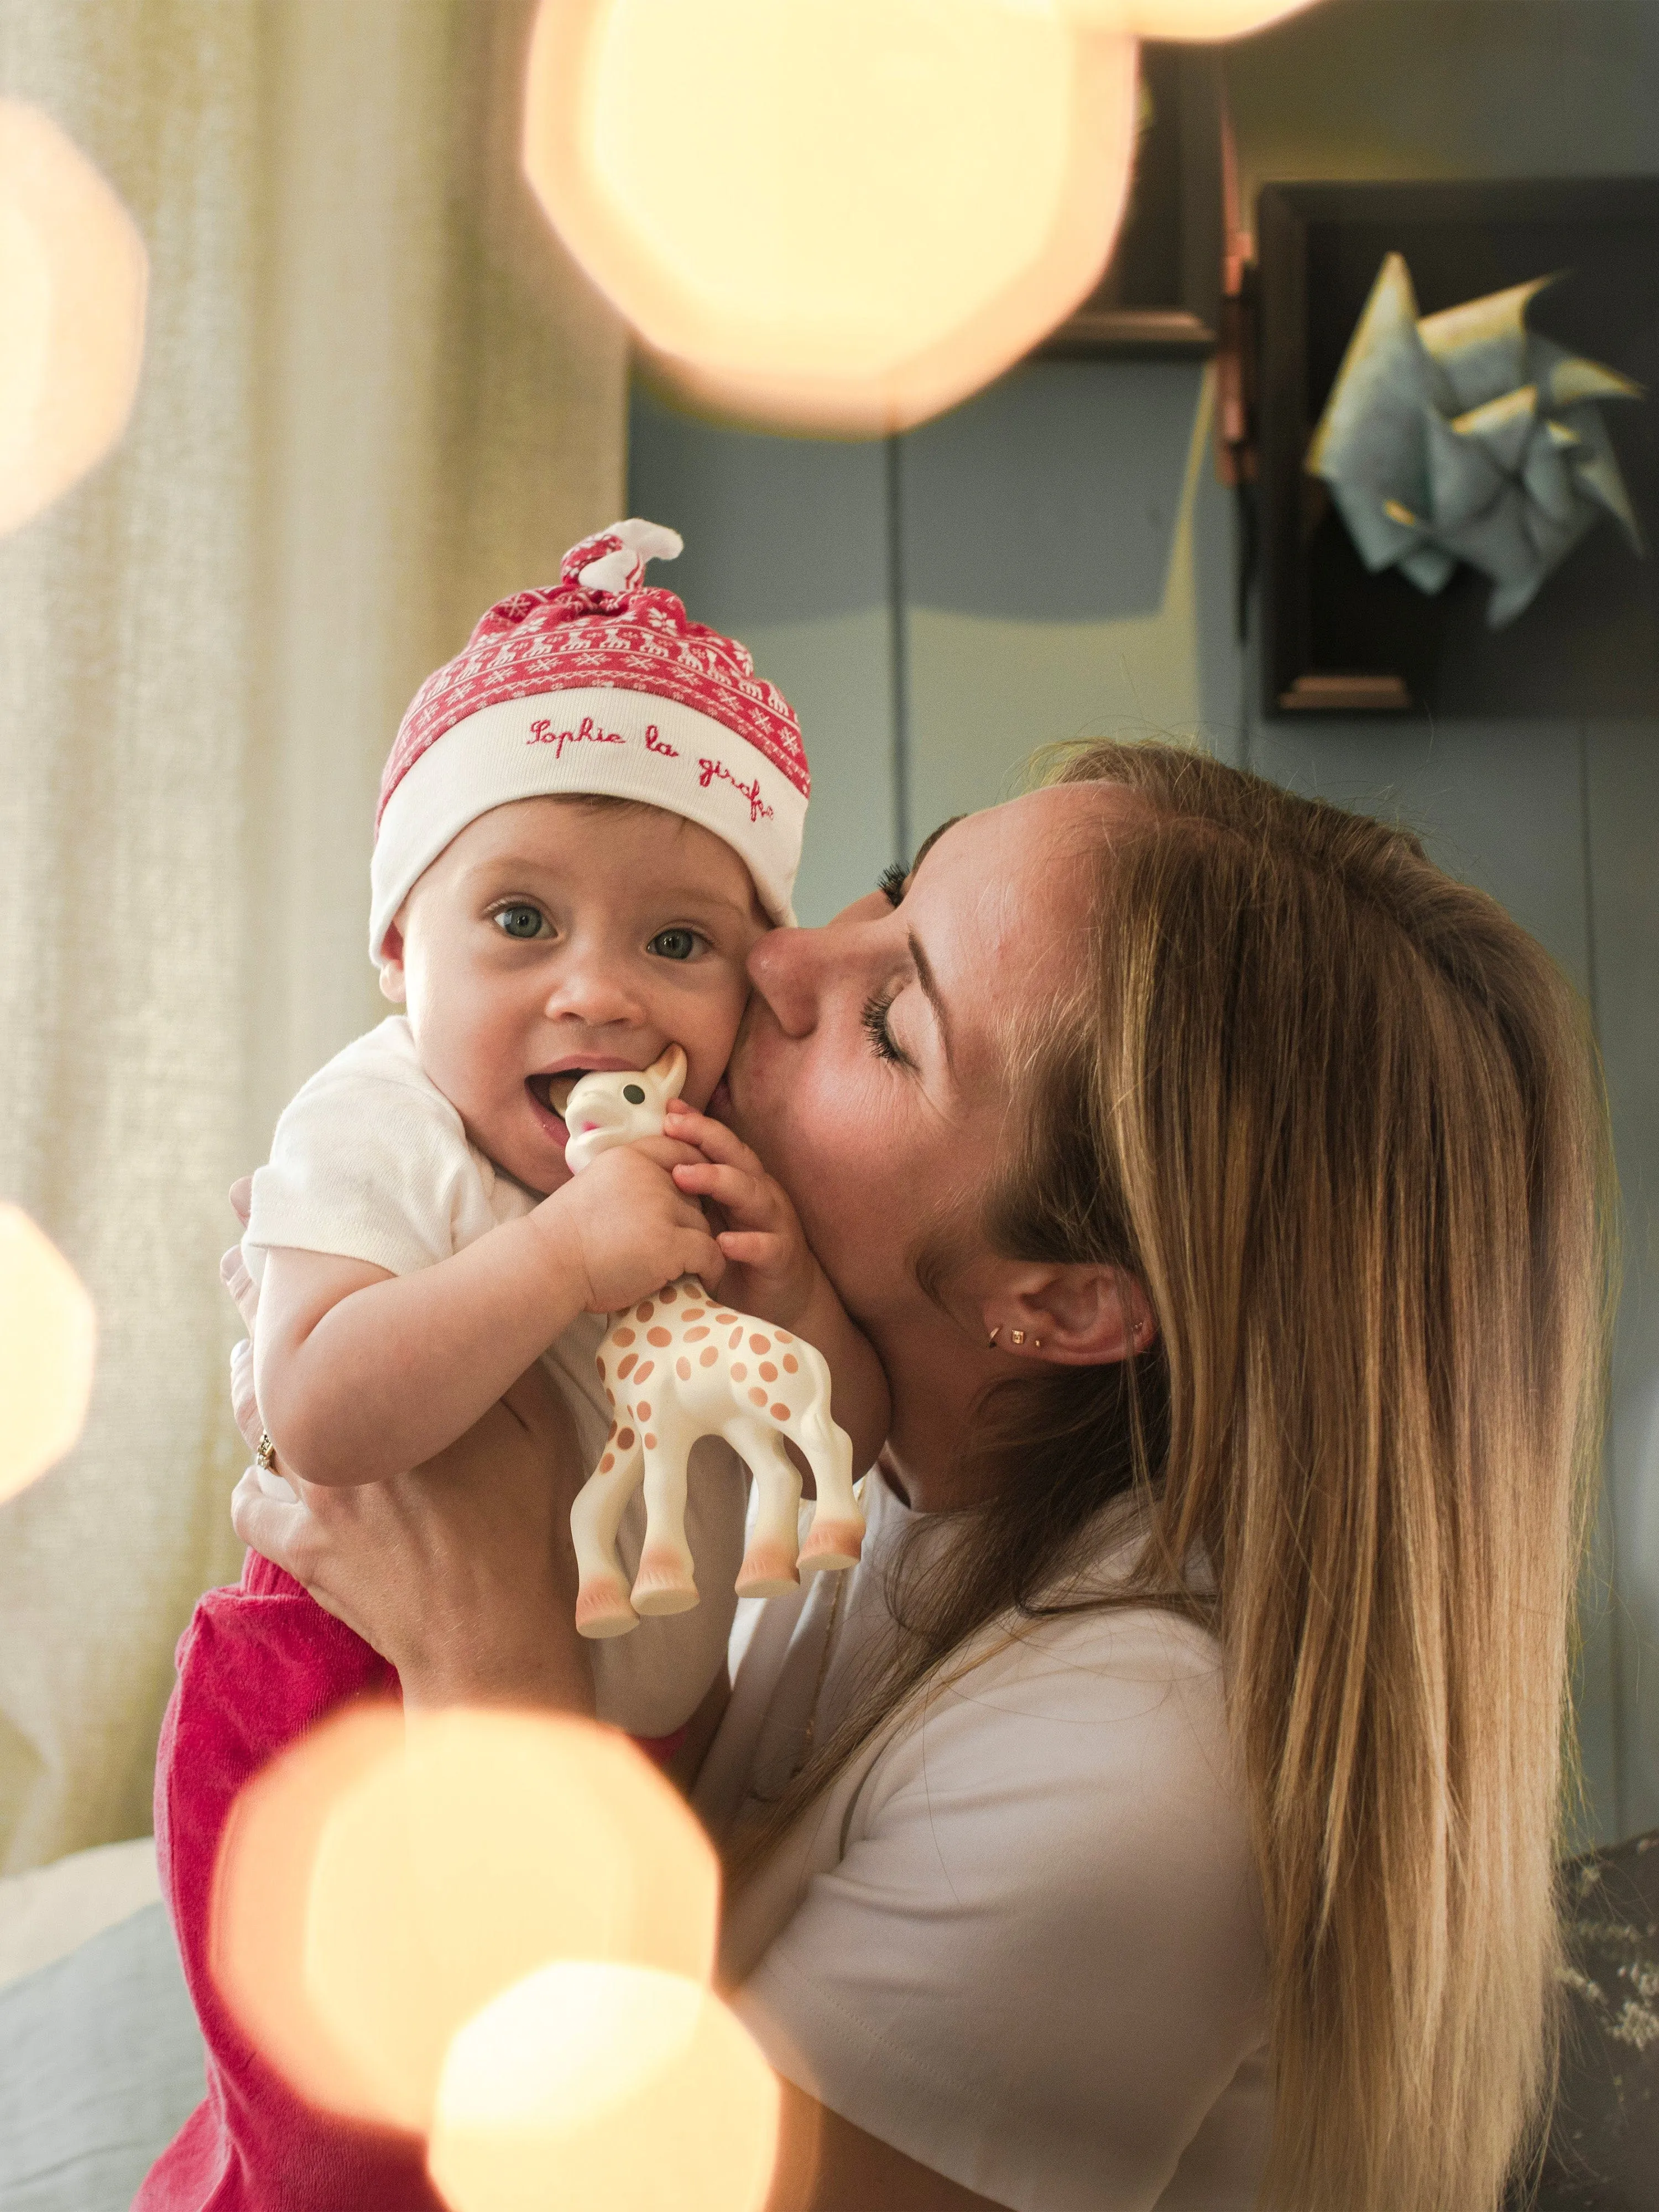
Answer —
1016 1336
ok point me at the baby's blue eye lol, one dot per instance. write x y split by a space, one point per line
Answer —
519 922
674 944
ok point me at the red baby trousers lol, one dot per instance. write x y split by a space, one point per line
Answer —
257 1666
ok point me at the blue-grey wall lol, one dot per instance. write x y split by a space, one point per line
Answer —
1056 559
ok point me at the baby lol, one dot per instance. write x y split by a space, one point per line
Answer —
587 819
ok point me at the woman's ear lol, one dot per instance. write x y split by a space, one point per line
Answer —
1071 1316
392 966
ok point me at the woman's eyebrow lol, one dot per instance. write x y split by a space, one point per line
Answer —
929 983
932 839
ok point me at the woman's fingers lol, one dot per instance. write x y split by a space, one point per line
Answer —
267 1522
243 1403
243 1291
241 1198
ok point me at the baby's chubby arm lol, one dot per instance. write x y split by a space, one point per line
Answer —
775 1276
362 1374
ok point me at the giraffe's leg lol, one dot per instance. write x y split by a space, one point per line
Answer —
602 1601
664 1582
768 1564
838 1531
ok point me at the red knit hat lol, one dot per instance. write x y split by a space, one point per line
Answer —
600 685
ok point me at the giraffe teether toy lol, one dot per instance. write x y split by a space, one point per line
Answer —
681 1366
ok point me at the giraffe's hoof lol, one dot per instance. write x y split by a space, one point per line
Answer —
767 1571
603 1609
831 1545
664 1584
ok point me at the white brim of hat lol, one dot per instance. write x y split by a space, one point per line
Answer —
619 745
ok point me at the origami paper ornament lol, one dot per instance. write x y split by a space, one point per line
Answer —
1465 437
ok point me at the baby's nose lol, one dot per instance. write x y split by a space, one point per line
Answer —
591 990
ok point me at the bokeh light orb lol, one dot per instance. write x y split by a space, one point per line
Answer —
48 1342
73 273
384 1881
619 2088
1180 18
832 214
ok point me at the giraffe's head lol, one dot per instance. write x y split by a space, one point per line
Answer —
616 1106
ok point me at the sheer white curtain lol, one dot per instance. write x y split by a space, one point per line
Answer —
375 396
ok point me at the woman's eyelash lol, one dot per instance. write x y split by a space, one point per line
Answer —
892 881
883 1042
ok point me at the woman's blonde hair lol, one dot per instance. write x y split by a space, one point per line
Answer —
1342 1117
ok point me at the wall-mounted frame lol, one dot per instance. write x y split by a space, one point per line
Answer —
1160 297
1339 639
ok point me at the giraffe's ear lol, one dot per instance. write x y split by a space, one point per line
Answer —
668 1074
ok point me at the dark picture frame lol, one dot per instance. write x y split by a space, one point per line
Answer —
1159 297
1339 639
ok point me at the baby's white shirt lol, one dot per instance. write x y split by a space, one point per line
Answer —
370 1161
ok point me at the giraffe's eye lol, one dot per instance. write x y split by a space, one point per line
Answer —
633 1094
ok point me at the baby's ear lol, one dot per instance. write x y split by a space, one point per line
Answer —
392 966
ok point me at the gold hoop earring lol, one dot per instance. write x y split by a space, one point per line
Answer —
991 1341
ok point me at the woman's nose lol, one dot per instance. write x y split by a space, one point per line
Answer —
788 967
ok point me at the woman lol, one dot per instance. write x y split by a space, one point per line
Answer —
1167 1809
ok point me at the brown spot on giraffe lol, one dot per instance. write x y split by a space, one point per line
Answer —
642 1371
779 1413
645 1311
658 1336
642 1411
709 1357
759 1344
768 1372
624 1336
757 1397
625 1440
692 1335
623 1365
682 1368
791 1364
739 1372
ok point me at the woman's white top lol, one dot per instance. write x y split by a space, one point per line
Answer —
371 1162
1019 1939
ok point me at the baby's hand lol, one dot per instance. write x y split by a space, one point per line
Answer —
774 1271
623 1229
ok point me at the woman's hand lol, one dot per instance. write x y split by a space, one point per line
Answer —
461 1573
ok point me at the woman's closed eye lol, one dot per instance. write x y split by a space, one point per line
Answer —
521 920
877 1028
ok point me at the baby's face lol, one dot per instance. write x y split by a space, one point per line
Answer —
551 938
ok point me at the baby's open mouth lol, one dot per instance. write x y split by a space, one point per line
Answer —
553 1091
